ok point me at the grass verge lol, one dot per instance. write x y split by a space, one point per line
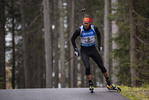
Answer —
135 93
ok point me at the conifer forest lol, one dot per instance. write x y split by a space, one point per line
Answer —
36 49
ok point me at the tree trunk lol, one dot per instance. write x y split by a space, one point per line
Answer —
13 45
26 73
75 72
56 68
48 49
114 46
56 23
2 45
82 75
94 73
106 35
71 31
133 58
62 49
40 62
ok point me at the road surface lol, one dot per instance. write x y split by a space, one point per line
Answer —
60 94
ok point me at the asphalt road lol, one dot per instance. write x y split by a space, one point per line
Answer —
60 94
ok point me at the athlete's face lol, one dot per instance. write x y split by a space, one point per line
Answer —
86 25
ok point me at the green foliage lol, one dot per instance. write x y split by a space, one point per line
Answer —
142 25
122 40
142 8
98 19
135 93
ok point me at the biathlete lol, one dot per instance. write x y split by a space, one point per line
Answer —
87 38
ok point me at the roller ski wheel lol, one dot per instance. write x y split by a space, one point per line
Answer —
91 89
114 87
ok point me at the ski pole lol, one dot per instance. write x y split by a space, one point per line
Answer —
69 59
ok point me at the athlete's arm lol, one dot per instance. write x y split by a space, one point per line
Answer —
74 36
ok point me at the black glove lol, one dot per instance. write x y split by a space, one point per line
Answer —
100 48
76 53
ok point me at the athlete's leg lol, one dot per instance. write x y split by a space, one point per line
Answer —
89 77
97 58
107 78
85 60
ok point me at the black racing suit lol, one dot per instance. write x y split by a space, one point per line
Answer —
87 52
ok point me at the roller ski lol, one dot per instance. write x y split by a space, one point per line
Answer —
91 88
113 87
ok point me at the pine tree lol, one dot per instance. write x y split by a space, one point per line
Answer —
2 46
106 35
62 50
133 58
48 49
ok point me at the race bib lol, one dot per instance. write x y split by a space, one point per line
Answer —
88 40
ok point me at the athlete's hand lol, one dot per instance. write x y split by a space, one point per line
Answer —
76 53
100 48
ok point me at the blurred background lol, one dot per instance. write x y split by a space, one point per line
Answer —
35 42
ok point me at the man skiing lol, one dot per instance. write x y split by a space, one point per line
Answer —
87 36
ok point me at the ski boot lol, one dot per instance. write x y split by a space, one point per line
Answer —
91 88
112 86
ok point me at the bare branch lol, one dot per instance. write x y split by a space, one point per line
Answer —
140 15
142 41
34 20
139 39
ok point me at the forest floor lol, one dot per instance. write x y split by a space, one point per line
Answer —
135 93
